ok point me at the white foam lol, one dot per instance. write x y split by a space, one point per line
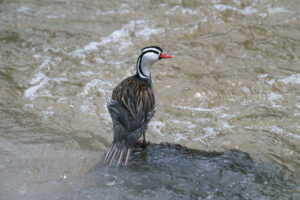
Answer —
28 106
93 46
179 136
124 9
23 9
46 63
293 135
197 95
263 75
276 10
148 32
111 183
276 129
157 126
55 16
40 79
63 176
223 7
246 11
216 110
225 126
263 15
93 84
271 81
31 92
294 78
37 56
37 78
86 73
63 100
182 10
246 90
47 113
189 124
122 37
84 108
23 189
55 50
111 12
115 36
227 116
58 80
90 85
99 60
274 96
208 132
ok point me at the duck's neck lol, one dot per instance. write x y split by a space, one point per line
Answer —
143 68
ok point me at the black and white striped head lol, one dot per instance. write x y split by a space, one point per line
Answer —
149 55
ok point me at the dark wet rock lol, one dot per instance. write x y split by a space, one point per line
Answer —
171 171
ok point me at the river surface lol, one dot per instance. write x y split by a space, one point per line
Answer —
230 98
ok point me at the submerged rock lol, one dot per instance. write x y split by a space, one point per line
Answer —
171 171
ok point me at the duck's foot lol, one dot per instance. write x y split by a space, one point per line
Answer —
142 143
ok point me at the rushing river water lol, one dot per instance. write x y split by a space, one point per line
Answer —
230 98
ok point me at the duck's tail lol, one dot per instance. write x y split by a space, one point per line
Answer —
119 152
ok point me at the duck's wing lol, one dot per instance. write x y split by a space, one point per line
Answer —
132 103
131 106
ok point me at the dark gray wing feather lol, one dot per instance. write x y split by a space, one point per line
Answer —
136 103
131 107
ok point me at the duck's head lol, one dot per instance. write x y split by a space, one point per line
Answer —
149 55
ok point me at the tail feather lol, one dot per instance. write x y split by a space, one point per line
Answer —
108 153
121 156
127 156
116 149
118 152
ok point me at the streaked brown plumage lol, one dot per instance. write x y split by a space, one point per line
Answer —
135 95
131 106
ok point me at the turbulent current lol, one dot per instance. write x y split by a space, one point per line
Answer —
227 121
